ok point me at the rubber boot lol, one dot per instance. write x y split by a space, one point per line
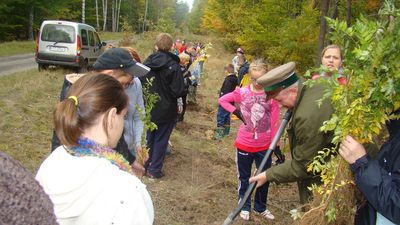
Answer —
226 130
219 133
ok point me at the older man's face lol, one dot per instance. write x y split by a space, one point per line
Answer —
286 97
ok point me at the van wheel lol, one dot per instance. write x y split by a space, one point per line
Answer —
42 67
84 67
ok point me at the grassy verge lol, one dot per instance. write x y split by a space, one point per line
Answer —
27 100
17 47
26 104
140 42
105 36
21 47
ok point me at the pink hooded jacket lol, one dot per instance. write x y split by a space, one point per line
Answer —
260 114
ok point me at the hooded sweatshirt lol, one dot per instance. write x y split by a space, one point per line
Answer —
91 190
168 84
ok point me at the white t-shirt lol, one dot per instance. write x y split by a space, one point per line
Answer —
91 190
235 63
381 220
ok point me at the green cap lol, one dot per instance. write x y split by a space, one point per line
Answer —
280 77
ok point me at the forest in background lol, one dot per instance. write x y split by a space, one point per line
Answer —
21 19
279 30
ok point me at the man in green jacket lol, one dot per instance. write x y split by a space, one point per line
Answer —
305 138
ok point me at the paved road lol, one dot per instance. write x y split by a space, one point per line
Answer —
17 63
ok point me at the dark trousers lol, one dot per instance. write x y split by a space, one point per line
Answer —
223 117
157 142
244 163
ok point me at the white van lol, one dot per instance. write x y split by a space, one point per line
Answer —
67 44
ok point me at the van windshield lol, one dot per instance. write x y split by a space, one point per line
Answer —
58 33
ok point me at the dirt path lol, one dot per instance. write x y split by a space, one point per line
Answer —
200 182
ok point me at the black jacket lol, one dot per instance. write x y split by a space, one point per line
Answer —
186 79
229 85
379 180
168 84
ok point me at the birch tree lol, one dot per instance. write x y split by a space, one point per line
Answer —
118 13
113 15
97 15
30 23
83 10
115 8
105 4
145 15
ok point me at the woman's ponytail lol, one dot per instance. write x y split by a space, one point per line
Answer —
88 98
66 121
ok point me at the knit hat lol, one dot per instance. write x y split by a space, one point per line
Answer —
22 199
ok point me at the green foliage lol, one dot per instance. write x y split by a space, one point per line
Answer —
195 16
127 33
14 14
371 51
267 28
279 30
150 99
165 23
181 13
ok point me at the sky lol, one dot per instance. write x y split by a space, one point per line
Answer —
190 3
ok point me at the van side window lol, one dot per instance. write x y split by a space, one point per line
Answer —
91 38
98 42
84 37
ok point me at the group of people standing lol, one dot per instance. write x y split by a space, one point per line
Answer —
172 81
256 105
92 175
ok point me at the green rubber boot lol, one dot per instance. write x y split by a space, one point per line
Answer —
219 133
226 130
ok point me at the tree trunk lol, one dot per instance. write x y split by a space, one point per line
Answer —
118 11
158 10
113 15
335 14
30 25
97 16
83 11
335 11
105 5
322 30
145 15
348 14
